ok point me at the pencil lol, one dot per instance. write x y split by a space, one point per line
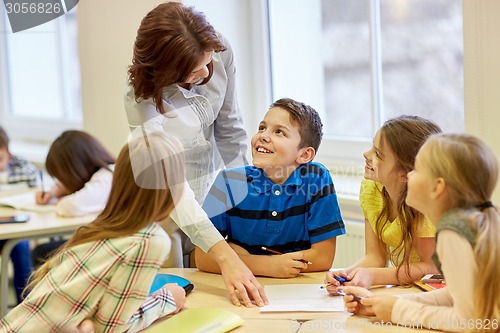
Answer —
277 252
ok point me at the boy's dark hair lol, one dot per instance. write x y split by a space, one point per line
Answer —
4 139
308 120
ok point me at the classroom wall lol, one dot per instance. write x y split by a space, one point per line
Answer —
107 31
482 73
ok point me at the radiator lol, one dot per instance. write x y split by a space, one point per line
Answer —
351 246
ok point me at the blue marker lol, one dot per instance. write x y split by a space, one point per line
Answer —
341 279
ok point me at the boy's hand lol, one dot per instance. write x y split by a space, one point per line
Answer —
179 295
287 265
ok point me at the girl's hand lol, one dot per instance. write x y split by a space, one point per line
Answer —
86 326
360 276
332 283
179 295
381 306
43 198
354 306
57 191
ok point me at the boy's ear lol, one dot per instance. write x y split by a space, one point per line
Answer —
306 155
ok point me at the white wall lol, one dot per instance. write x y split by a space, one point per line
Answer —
107 31
482 73
244 33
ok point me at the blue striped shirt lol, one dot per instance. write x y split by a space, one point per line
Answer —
252 211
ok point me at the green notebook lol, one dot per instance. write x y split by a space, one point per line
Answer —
206 320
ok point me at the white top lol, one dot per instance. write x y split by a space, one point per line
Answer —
209 124
444 309
91 198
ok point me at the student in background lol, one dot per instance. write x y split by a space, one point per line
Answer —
452 184
284 202
104 272
182 77
394 231
14 170
83 170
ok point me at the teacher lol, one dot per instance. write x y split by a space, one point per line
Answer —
182 80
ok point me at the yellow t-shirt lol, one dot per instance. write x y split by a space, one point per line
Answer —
370 198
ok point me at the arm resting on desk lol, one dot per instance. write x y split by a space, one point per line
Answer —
280 266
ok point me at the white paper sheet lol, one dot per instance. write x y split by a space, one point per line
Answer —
301 297
25 201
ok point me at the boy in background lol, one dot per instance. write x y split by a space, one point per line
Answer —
14 169
284 203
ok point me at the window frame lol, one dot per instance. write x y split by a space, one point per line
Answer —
31 130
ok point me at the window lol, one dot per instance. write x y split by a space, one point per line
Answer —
362 62
40 79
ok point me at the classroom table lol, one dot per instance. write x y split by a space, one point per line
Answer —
40 225
210 291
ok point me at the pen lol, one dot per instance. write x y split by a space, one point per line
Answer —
41 183
343 293
277 252
338 278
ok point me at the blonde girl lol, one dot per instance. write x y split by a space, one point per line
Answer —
452 184
394 232
104 272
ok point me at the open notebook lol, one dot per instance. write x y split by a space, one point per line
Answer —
198 320
25 201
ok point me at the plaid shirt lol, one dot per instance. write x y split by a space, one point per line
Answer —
107 281
20 170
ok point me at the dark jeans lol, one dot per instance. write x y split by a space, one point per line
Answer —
42 252
21 259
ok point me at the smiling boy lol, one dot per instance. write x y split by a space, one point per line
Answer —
283 202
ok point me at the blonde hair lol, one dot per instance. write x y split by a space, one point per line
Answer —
470 171
147 183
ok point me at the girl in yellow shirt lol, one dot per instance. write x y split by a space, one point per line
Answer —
392 229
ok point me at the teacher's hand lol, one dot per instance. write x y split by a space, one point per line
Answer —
237 276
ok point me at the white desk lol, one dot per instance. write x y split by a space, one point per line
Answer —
40 225
209 291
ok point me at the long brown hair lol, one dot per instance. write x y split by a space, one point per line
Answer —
171 41
405 135
470 171
74 157
147 182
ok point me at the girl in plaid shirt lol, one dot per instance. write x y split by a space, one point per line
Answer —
104 272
